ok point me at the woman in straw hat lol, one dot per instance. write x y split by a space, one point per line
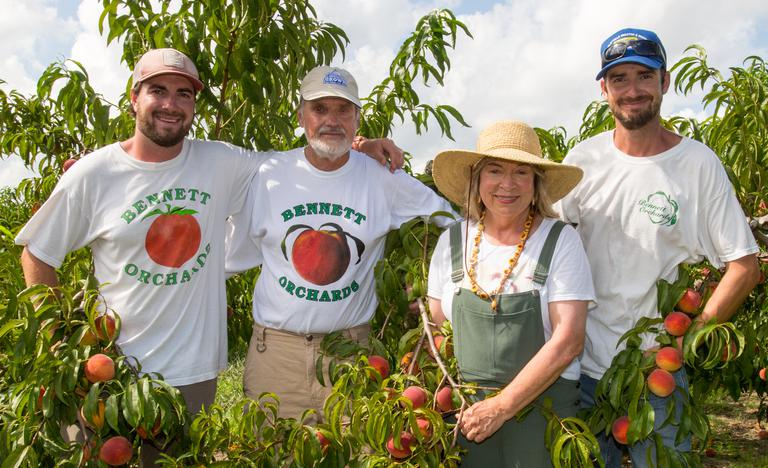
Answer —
515 284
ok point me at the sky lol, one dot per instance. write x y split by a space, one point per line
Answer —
531 60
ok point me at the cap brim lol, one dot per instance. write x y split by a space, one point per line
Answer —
196 83
649 62
311 96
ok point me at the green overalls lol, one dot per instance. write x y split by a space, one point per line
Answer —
492 347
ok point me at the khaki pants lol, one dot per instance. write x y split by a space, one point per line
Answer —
284 363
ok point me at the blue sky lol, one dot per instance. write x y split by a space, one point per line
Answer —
532 60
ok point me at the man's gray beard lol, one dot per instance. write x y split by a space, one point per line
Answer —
328 151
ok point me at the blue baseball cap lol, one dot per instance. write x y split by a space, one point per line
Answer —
631 45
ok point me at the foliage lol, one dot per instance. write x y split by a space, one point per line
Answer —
252 54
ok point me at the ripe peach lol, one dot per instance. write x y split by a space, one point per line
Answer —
676 323
99 368
324 442
406 441
444 399
619 429
761 373
690 302
380 365
762 434
116 451
105 327
425 428
67 164
105 330
417 396
447 351
661 383
669 358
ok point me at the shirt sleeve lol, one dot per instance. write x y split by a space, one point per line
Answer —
61 225
248 163
726 236
414 199
570 278
568 206
242 245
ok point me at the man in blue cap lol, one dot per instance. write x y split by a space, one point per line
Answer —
649 200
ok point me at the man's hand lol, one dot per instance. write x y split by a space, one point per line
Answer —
383 150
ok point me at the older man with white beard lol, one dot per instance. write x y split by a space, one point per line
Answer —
316 219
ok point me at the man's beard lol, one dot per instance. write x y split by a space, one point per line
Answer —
167 139
635 120
330 151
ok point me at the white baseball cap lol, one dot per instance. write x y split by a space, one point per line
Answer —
326 81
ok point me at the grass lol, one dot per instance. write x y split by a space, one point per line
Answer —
735 433
230 384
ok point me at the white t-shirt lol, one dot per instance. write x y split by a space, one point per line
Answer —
639 218
569 278
313 281
164 275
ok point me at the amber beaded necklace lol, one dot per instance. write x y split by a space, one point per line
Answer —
471 273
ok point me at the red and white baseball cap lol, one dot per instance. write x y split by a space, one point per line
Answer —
164 61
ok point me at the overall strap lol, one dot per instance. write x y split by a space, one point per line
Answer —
456 253
545 258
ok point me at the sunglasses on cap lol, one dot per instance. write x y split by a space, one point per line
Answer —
641 47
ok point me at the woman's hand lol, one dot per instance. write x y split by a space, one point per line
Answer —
482 419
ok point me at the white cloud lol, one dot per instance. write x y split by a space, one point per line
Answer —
536 61
531 60
30 30
106 73
12 171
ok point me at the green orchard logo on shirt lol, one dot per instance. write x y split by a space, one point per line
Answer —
173 234
660 208
320 256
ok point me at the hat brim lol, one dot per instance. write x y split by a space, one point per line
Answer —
196 83
649 62
311 96
452 169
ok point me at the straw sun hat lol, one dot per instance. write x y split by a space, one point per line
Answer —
508 140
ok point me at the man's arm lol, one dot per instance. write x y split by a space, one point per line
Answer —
383 150
741 275
36 271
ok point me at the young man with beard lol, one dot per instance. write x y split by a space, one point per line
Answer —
153 210
649 200
316 219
